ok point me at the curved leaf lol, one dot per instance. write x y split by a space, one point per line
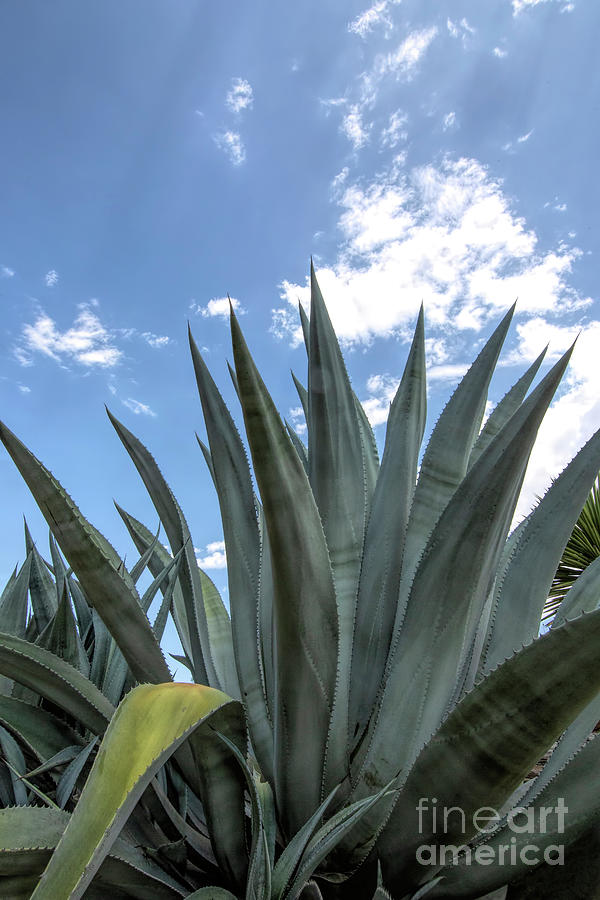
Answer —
166 715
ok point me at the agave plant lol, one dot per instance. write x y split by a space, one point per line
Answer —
377 692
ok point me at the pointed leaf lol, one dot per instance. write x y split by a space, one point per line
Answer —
382 560
95 563
444 464
305 609
178 536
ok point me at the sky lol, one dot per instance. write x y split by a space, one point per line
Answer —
156 157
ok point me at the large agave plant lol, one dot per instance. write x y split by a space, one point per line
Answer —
379 693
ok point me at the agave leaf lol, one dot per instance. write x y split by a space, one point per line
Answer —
305 609
142 538
56 680
302 396
449 593
301 449
13 756
96 565
207 458
13 607
211 893
28 835
69 777
573 791
83 610
292 853
61 758
338 477
178 536
382 559
505 409
42 733
167 714
142 562
327 837
59 568
491 740
445 462
42 591
242 541
535 559
258 882
577 877
61 636
219 630
160 621
305 323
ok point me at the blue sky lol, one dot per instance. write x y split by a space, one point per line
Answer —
157 156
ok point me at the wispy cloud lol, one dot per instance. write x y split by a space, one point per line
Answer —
138 408
500 52
156 340
355 129
509 147
402 63
213 556
240 96
6 272
230 142
449 121
460 29
376 15
520 5
87 342
217 307
445 235
396 130
51 278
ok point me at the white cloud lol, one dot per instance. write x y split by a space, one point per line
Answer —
297 420
217 306
520 5
86 342
232 145
6 272
396 130
24 389
500 52
449 121
354 128
574 415
377 14
402 63
156 340
51 278
524 137
240 95
214 556
138 408
444 235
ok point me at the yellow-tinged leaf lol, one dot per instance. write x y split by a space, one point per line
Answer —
149 725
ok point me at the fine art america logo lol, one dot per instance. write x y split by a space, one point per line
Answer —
526 835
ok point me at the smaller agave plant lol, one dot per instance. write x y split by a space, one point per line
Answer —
369 717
